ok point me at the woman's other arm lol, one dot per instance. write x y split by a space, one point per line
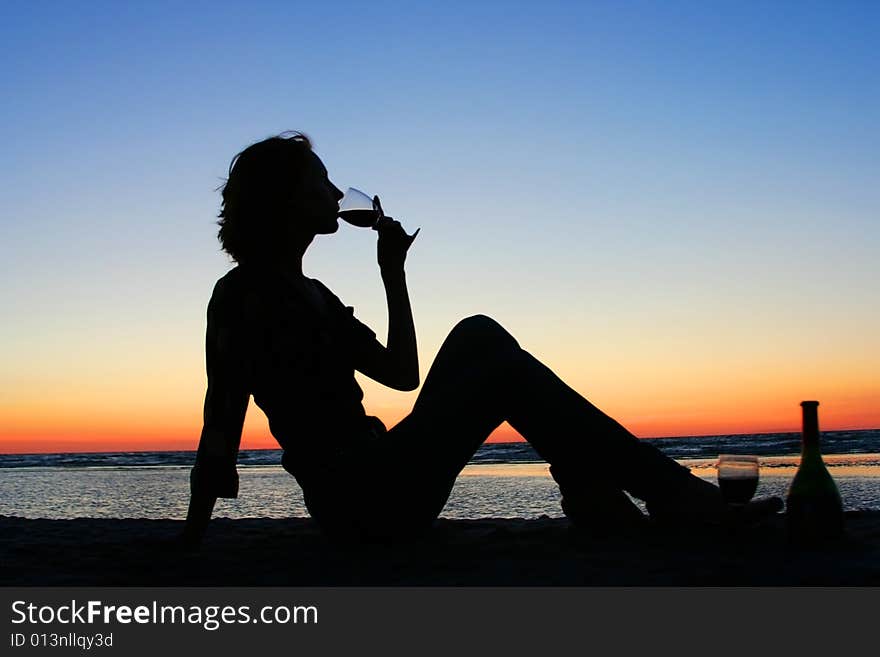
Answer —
214 474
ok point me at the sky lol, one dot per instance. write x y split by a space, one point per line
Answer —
674 205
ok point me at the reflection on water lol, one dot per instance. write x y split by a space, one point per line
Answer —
499 490
507 470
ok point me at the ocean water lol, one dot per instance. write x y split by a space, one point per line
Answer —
502 480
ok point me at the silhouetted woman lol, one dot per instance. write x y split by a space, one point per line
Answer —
291 343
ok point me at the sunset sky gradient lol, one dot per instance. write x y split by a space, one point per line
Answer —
674 205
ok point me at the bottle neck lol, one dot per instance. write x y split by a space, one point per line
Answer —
810 435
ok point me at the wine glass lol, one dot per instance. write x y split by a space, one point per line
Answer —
737 477
359 209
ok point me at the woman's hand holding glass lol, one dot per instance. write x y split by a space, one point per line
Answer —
360 210
393 243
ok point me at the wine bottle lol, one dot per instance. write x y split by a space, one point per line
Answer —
814 511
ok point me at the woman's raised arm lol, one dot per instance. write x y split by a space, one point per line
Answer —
397 364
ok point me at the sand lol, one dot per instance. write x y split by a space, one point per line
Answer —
489 552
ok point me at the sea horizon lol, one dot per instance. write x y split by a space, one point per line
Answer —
845 439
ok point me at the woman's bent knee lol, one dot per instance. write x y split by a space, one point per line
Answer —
482 329
478 324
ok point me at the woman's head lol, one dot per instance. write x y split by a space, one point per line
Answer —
277 195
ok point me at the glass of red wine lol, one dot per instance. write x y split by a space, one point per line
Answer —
359 209
737 477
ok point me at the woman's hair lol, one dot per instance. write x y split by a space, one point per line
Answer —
258 191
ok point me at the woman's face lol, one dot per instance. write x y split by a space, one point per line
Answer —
316 205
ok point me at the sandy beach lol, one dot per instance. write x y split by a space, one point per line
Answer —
487 552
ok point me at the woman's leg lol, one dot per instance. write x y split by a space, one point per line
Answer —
480 378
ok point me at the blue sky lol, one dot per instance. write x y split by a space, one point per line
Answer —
599 176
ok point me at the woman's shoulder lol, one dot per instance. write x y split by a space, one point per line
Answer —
332 300
229 286
342 315
236 291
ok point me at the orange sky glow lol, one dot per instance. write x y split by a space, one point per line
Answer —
25 434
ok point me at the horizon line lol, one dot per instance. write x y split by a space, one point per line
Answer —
494 442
